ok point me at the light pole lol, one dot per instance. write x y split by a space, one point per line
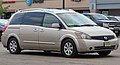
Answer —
63 4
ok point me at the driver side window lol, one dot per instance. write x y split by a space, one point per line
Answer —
49 19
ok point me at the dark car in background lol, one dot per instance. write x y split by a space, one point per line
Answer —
115 18
3 22
103 21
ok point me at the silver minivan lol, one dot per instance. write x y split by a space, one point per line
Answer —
60 30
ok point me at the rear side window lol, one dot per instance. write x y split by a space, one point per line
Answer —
33 18
17 19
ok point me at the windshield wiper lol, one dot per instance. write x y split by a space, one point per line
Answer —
102 19
82 25
74 25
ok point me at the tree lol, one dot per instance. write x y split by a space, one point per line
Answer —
3 9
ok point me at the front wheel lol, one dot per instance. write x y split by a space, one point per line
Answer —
13 46
68 48
104 53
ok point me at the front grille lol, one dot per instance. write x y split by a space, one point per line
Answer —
112 24
105 38
118 24
104 48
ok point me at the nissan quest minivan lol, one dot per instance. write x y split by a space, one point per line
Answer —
59 30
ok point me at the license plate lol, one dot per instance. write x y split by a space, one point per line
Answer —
107 43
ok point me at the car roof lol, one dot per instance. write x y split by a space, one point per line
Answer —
47 10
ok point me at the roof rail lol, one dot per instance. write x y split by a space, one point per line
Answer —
33 9
46 9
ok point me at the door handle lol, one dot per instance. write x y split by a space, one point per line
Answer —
41 30
35 30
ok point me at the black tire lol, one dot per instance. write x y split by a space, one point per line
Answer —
104 53
13 46
117 34
66 51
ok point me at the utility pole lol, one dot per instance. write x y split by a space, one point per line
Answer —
63 4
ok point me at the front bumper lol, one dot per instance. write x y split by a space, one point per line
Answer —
97 45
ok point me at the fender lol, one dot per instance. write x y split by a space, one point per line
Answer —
71 37
16 36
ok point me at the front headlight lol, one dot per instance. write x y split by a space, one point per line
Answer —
82 35
105 24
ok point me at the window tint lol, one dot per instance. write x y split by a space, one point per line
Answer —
49 20
17 19
33 18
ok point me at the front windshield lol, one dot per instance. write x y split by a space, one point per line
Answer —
76 20
100 17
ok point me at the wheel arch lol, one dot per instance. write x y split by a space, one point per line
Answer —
69 36
12 35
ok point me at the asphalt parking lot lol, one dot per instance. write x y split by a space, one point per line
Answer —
29 57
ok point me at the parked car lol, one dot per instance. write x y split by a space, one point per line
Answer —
57 30
103 21
3 22
114 18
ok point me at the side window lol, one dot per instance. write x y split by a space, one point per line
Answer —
17 19
90 17
49 19
33 18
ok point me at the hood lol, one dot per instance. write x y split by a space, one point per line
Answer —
107 21
93 30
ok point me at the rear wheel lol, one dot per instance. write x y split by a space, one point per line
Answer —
104 53
13 46
68 48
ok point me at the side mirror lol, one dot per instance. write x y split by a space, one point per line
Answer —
55 25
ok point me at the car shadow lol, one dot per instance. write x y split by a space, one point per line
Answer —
92 56
58 54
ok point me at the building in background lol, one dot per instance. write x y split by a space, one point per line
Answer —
78 5
107 7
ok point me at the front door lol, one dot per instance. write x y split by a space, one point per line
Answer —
48 36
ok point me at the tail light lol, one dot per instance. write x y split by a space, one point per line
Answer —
5 27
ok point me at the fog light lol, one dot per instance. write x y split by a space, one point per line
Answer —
90 48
